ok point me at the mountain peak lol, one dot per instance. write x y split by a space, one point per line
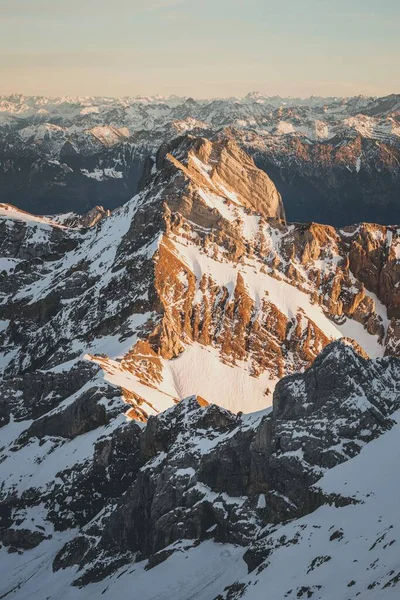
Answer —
224 169
141 349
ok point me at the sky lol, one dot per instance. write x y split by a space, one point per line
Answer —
200 48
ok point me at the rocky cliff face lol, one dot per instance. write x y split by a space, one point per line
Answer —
197 478
335 181
195 288
334 161
199 269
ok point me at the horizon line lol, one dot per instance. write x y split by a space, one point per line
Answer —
194 97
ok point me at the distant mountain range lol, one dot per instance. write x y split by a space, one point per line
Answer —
334 160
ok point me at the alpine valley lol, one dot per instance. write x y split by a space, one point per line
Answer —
200 392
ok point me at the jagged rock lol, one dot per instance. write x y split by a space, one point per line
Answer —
204 470
333 160
229 168
21 539
79 494
31 395
90 219
194 286
82 415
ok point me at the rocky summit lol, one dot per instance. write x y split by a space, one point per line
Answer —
333 160
199 399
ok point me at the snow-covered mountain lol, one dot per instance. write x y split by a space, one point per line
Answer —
301 500
333 160
197 269
183 375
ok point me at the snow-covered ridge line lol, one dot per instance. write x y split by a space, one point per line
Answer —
7 211
123 345
61 155
208 463
252 96
168 280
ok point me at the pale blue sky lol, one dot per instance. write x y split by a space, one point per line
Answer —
201 48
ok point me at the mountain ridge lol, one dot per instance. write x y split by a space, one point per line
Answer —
87 152
200 257
183 375
199 477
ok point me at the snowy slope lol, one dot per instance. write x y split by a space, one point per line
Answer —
345 549
199 572
223 263
341 553
70 154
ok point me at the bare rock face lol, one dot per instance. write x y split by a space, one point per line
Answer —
222 166
195 290
90 219
204 470
376 264
32 395
201 259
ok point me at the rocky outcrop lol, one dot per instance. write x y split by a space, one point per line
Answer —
331 181
32 395
17 540
82 415
200 258
207 473
333 160
344 397
90 219
223 166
